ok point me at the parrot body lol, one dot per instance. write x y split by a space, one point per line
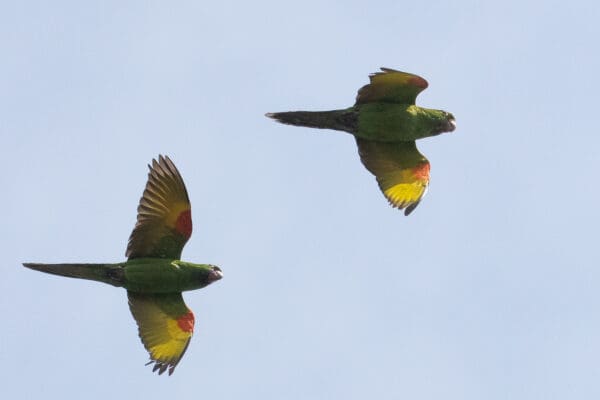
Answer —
153 275
383 122
143 275
386 122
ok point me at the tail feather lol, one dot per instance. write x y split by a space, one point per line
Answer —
112 274
341 120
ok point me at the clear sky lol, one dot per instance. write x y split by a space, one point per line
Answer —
489 290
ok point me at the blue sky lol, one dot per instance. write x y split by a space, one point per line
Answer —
488 290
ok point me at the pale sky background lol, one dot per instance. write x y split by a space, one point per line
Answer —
489 290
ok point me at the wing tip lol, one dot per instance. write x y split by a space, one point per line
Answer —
408 210
160 367
413 79
406 207
162 162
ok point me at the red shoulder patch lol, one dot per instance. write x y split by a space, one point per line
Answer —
418 82
186 322
183 224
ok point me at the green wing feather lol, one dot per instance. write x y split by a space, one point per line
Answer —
164 220
165 326
401 171
391 86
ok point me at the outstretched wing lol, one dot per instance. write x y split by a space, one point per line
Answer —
164 220
401 171
391 86
165 325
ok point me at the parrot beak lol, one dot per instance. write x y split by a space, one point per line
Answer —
451 123
447 124
215 274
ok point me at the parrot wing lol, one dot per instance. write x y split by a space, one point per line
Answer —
165 325
401 171
391 86
164 220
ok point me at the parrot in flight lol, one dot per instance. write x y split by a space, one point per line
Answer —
385 123
153 275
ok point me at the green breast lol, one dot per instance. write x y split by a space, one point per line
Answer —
155 275
389 122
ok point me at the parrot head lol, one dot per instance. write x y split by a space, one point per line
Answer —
429 122
202 274
442 121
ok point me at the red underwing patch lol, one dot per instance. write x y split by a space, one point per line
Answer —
183 224
418 82
422 171
186 322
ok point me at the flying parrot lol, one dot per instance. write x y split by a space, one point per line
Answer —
385 123
153 275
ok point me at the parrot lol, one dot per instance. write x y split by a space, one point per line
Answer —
386 123
153 275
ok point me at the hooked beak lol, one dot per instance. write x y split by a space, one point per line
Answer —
451 123
215 274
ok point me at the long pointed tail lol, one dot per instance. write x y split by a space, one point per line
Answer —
341 120
107 273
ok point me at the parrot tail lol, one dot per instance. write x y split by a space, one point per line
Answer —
113 274
340 120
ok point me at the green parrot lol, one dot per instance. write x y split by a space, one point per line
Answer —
385 123
153 274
